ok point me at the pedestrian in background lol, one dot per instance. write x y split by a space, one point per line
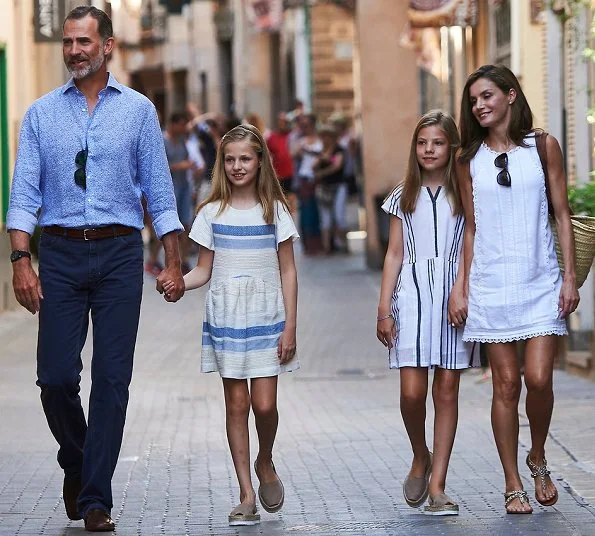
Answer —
512 279
278 145
331 191
306 150
206 129
414 321
245 233
348 142
256 121
180 164
87 153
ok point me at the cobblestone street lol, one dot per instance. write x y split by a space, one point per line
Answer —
341 451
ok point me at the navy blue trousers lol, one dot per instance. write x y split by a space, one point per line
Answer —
103 278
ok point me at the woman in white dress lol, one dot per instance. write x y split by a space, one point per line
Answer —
420 268
512 280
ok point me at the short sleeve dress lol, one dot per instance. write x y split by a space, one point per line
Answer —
432 243
244 312
515 281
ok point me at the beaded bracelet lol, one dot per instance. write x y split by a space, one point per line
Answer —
389 315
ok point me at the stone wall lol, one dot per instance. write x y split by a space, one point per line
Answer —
332 45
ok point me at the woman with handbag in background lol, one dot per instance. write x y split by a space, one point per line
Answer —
512 282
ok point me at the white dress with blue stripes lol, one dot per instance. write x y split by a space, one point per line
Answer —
432 244
245 312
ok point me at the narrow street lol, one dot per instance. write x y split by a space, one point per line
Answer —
342 451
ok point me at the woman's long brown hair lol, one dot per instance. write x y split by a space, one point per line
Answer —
268 188
521 117
413 179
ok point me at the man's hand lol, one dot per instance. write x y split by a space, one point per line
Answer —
175 288
26 284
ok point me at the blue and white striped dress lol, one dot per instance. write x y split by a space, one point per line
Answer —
245 312
432 244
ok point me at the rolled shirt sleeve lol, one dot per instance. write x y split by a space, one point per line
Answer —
25 196
155 177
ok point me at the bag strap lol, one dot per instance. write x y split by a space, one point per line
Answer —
541 144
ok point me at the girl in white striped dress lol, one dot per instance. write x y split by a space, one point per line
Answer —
245 235
415 320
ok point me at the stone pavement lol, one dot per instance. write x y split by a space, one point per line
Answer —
342 450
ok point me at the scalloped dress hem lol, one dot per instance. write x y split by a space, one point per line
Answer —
500 338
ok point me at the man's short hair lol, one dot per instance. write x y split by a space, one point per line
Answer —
104 23
177 117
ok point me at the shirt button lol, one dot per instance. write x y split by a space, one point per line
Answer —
89 199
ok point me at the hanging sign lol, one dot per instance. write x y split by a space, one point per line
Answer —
265 15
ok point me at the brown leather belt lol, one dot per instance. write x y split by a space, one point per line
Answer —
99 233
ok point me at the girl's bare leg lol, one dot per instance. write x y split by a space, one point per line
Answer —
237 409
506 382
445 393
263 393
414 390
539 369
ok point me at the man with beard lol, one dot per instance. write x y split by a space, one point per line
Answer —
88 152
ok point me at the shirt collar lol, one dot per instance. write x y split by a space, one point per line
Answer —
111 82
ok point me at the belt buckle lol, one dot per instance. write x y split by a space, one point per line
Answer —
85 234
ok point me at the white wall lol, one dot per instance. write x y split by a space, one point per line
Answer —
302 60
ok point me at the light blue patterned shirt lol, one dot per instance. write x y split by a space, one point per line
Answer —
126 159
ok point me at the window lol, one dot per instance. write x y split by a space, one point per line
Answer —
500 32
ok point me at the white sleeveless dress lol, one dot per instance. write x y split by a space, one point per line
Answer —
244 306
515 281
432 243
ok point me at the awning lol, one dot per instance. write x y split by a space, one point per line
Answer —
435 13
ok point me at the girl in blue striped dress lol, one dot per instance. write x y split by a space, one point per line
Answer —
245 236
415 320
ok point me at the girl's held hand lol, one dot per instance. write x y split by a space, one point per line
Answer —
386 331
168 287
457 307
286 347
569 298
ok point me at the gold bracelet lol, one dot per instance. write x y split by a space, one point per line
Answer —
389 315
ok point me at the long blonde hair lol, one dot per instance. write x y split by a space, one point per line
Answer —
268 188
413 180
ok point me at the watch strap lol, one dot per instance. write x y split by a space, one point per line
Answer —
19 254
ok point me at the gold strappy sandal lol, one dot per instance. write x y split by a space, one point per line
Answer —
541 471
521 495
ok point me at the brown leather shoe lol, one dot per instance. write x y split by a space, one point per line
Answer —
70 493
99 521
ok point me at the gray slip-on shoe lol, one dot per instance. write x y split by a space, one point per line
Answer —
271 494
415 489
